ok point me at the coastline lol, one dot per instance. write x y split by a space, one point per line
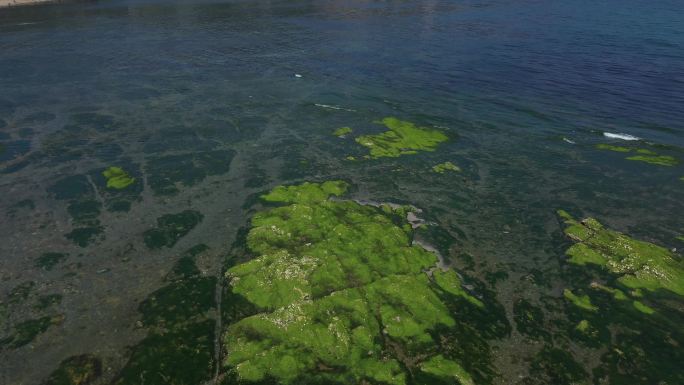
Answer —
17 3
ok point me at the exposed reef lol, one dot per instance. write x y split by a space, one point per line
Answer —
342 132
117 178
342 296
638 264
402 138
446 166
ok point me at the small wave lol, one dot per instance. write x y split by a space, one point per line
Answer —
333 107
568 140
620 136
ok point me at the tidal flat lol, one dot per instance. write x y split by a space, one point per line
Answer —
239 193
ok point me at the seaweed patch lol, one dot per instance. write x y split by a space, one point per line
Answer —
402 138
342 296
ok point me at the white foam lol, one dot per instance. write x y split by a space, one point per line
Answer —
620 136
333 107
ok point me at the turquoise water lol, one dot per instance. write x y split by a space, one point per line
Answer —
210 104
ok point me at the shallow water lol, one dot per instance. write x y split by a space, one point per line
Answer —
201 103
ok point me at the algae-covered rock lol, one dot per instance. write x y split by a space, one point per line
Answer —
117 178
446 166
341 293
644 155
581 301
342 132
442 367
76 370
610 147
402 138
660 160
638 264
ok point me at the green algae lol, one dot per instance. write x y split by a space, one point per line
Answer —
306 192
583 326
76 370
402 138
179 346
171 227
617 293
640 306
444 368
342 132
451 283
117 178
26 331
340 295
581 301
446 166
660 160
644 155
637 264
610 147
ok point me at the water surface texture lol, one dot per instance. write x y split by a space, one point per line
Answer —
137 137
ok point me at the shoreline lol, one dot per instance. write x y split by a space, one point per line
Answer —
20 3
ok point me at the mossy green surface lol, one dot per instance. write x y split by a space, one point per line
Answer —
660 160
76 370
638 264
640 306
402 138
451 283
610 147
341 295
342 131
643 155
117 178
581 301
444 368
171 227
446 166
